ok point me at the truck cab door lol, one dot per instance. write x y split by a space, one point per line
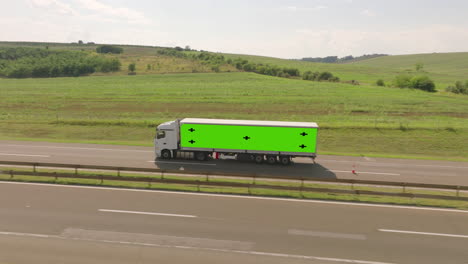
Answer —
166 139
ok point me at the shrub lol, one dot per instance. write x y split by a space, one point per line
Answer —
320 76
248 67
19 72
110 65
292 71
314 75
109 49
172 52
459 88
308 75
132 67
324 76
422 83
402 81
419 66
380 82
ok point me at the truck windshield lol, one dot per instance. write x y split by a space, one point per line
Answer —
160 134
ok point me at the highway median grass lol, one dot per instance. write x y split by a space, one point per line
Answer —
257 187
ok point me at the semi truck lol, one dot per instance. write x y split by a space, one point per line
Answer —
261 141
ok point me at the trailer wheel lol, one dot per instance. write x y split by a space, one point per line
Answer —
200 156
271 159
285 160
166 154
258 159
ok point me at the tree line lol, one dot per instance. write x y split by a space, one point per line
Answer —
335 59
34 62
216 60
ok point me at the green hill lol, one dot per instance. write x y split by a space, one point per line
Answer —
444 68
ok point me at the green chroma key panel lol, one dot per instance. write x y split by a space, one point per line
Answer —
284 139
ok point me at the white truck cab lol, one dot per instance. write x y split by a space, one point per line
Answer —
166 139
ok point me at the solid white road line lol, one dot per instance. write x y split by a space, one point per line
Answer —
256 253
375 164
228 196
366 172
145 213
422 233
24 155
27 235
298 232
83 148
182 163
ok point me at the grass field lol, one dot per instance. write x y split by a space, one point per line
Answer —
359 120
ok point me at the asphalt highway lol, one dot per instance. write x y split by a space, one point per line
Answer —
71 224
399 170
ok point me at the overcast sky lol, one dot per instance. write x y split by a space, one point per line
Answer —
278 28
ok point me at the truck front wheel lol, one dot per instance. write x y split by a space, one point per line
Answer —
166 154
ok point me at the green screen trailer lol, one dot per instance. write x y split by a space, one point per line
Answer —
297 139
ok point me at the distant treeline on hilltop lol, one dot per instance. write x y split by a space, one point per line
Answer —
34 62
335 59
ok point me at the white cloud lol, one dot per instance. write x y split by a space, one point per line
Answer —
42 2
110 13
369 13
91 10
53 5
427 39
296 8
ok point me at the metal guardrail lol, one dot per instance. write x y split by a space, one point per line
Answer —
207 182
